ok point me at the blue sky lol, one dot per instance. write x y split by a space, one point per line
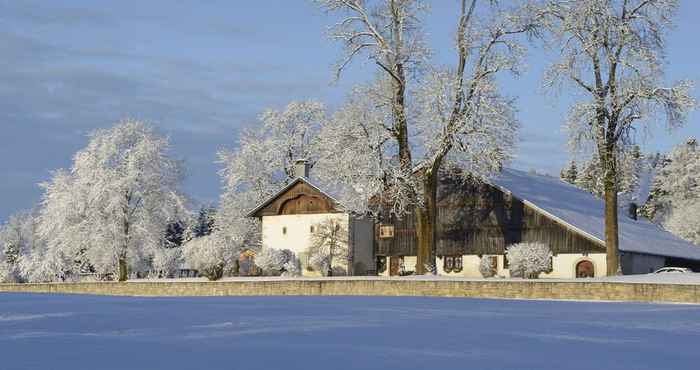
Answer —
200 71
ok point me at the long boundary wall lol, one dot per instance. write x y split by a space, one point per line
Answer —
604 291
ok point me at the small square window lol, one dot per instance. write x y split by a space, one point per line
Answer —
386 231
284 230
311 229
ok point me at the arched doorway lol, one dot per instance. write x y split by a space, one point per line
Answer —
585 269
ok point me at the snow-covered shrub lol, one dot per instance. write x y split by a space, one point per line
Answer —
8 273
293 266
166 261
271 261
528 260
486 267
42 265
277 262
210 255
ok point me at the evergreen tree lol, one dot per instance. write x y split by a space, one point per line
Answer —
205 221
591 177
175 234
677 182
631 167
570 174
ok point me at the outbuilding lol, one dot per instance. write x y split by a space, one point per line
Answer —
292 216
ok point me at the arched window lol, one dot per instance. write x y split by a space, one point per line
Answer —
585 269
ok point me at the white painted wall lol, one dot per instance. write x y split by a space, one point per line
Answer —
298 235
564 266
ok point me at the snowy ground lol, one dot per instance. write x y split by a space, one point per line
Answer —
54 332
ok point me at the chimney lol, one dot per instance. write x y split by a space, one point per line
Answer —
301 168
632 211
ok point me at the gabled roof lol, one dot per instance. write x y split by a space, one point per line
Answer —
284 190
585 213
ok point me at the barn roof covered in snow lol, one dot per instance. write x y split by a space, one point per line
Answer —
585 213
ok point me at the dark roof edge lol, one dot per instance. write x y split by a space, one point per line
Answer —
283 190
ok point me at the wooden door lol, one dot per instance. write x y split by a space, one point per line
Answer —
585 269
394 265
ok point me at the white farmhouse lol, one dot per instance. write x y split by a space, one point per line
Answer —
291 217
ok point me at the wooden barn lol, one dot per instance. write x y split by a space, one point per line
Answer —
479 219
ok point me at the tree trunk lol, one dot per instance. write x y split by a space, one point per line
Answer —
123 273
426 218
611 225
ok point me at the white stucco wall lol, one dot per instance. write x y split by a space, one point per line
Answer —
564 266
298 235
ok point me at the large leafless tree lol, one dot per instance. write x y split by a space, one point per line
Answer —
612 53
438 114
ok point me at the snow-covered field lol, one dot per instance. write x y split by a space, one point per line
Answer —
53 332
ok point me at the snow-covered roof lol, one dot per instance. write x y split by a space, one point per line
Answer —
586 214
284 190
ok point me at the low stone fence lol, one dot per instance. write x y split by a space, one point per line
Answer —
504 289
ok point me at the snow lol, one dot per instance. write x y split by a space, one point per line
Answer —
585 212
667 278
90 332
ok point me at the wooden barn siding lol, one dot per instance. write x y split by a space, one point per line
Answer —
306 194
476 218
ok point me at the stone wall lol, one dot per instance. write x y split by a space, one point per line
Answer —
608 291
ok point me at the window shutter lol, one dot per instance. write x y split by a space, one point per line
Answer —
457 266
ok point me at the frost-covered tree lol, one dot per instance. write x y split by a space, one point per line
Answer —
684 221
294 133
654 201
278 262
570 173
433 114
613 53
17 239
676 185
631 166
357 153
113 207
211 255
328 250
166 262
591 176
528 260
263 163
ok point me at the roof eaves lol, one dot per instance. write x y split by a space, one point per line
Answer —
281 191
